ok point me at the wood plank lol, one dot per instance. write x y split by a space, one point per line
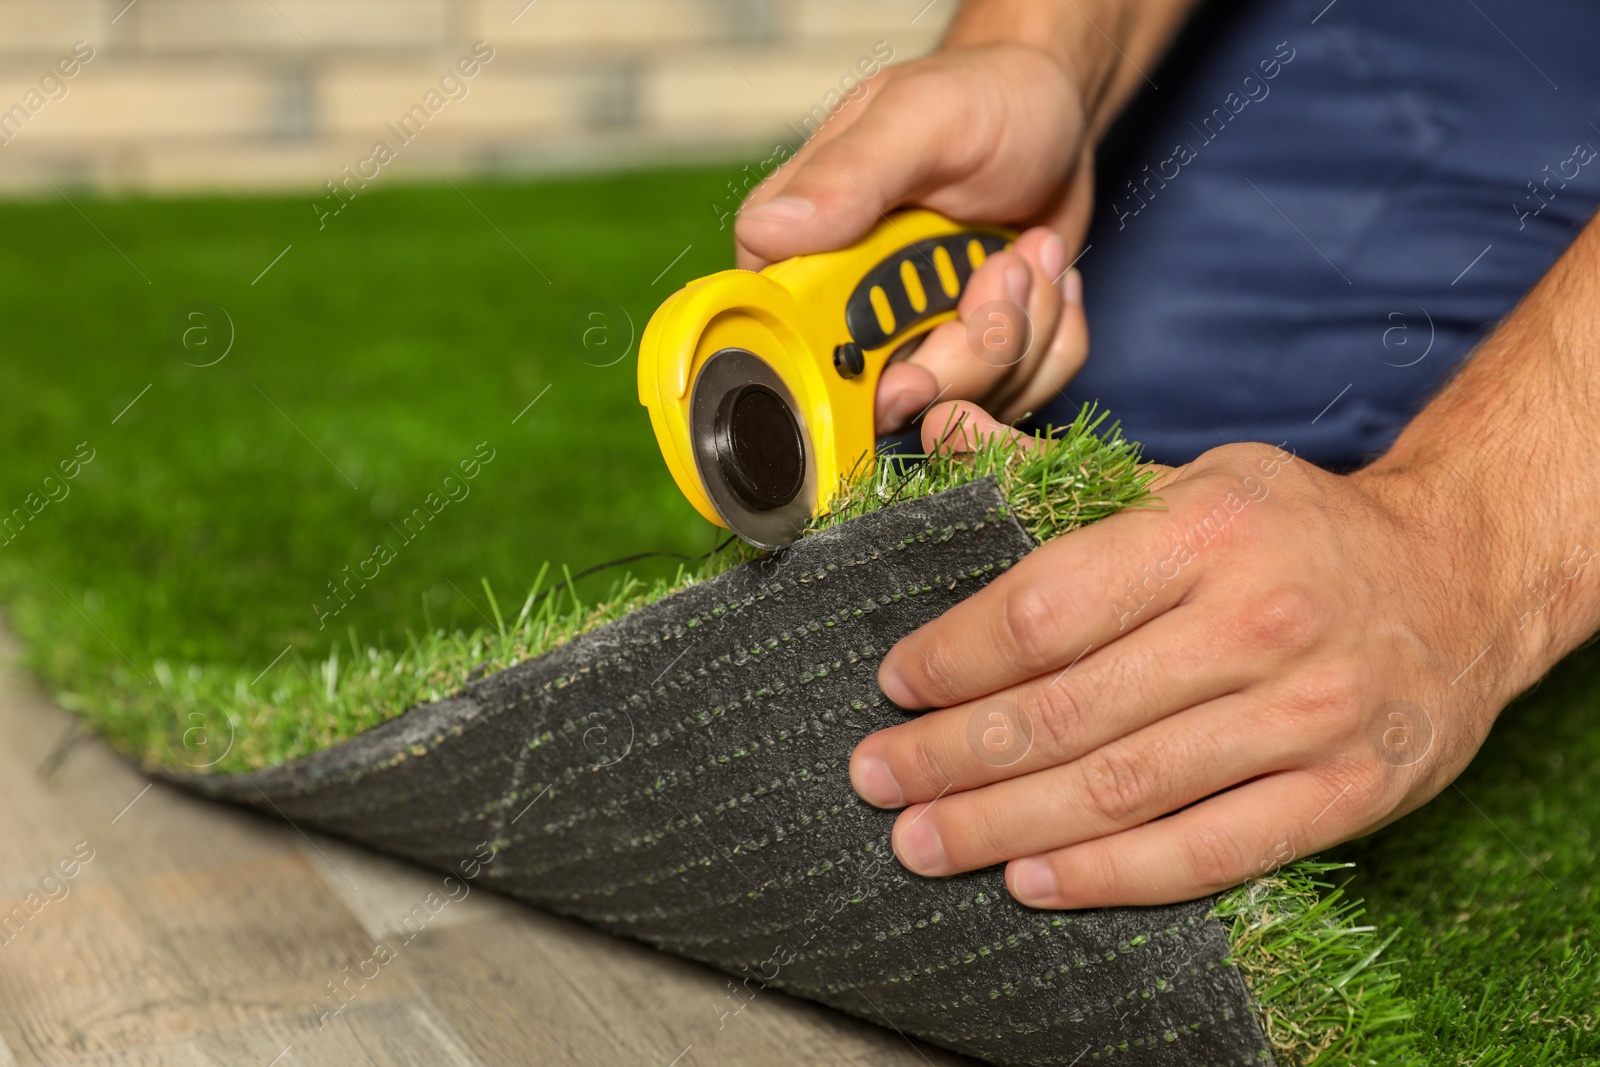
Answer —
551 990
401 1031
105 799
171 1054
202 935
380 892
39 830
85 977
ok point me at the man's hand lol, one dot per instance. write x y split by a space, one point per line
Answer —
986 135
1171 701
997 127
991 134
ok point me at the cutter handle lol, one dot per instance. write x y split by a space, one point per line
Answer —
915 284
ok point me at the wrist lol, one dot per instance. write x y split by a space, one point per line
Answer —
1103 46
1468 532
1044 27
1504 462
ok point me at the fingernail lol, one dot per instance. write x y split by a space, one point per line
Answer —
1033 882
874 782
1018 281
895 688
920 848
1072 287
782 209
1053 255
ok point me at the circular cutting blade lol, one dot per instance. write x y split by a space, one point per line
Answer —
752 448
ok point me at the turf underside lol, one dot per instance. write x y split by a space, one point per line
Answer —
199 542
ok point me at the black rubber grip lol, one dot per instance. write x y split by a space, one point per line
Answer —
888 276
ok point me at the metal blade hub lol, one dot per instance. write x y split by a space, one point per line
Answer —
751 448
759 448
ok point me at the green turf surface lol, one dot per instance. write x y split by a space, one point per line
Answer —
369 362
1491 892
199 541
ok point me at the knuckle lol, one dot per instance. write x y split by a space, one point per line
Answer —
1283 618
977 833
1117 785
1300 608
1212 858
1243 457
911 78
933 678
1251 456
1214 512
1359 781
1316 701
909 88
1028 622
1060 719
929 764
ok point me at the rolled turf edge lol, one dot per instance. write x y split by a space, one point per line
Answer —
680 776
1320 988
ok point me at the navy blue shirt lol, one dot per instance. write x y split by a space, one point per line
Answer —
1313 213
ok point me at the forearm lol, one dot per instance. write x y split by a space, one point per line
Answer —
1109 46
1506 465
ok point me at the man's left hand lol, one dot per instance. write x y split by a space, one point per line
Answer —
1177 698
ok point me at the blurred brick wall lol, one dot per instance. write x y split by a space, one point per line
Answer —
237 94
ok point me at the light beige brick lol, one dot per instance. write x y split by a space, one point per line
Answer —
47 28
19 77
524 104
558 26
287 25
132 103
892 20
518 102
687 93
199 166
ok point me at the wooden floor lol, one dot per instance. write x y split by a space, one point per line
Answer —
198 934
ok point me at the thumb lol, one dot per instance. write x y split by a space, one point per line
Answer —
841 186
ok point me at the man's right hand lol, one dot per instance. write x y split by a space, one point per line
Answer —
992 134
984 135
997 127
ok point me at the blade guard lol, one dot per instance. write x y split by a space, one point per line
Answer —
795 315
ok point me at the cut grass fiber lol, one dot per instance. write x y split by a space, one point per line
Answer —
1321 992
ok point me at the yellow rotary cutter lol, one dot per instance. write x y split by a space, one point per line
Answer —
760 386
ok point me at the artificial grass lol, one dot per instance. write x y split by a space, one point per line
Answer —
1323 989
224 509
189 551
1490 889
1076 477
384 350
